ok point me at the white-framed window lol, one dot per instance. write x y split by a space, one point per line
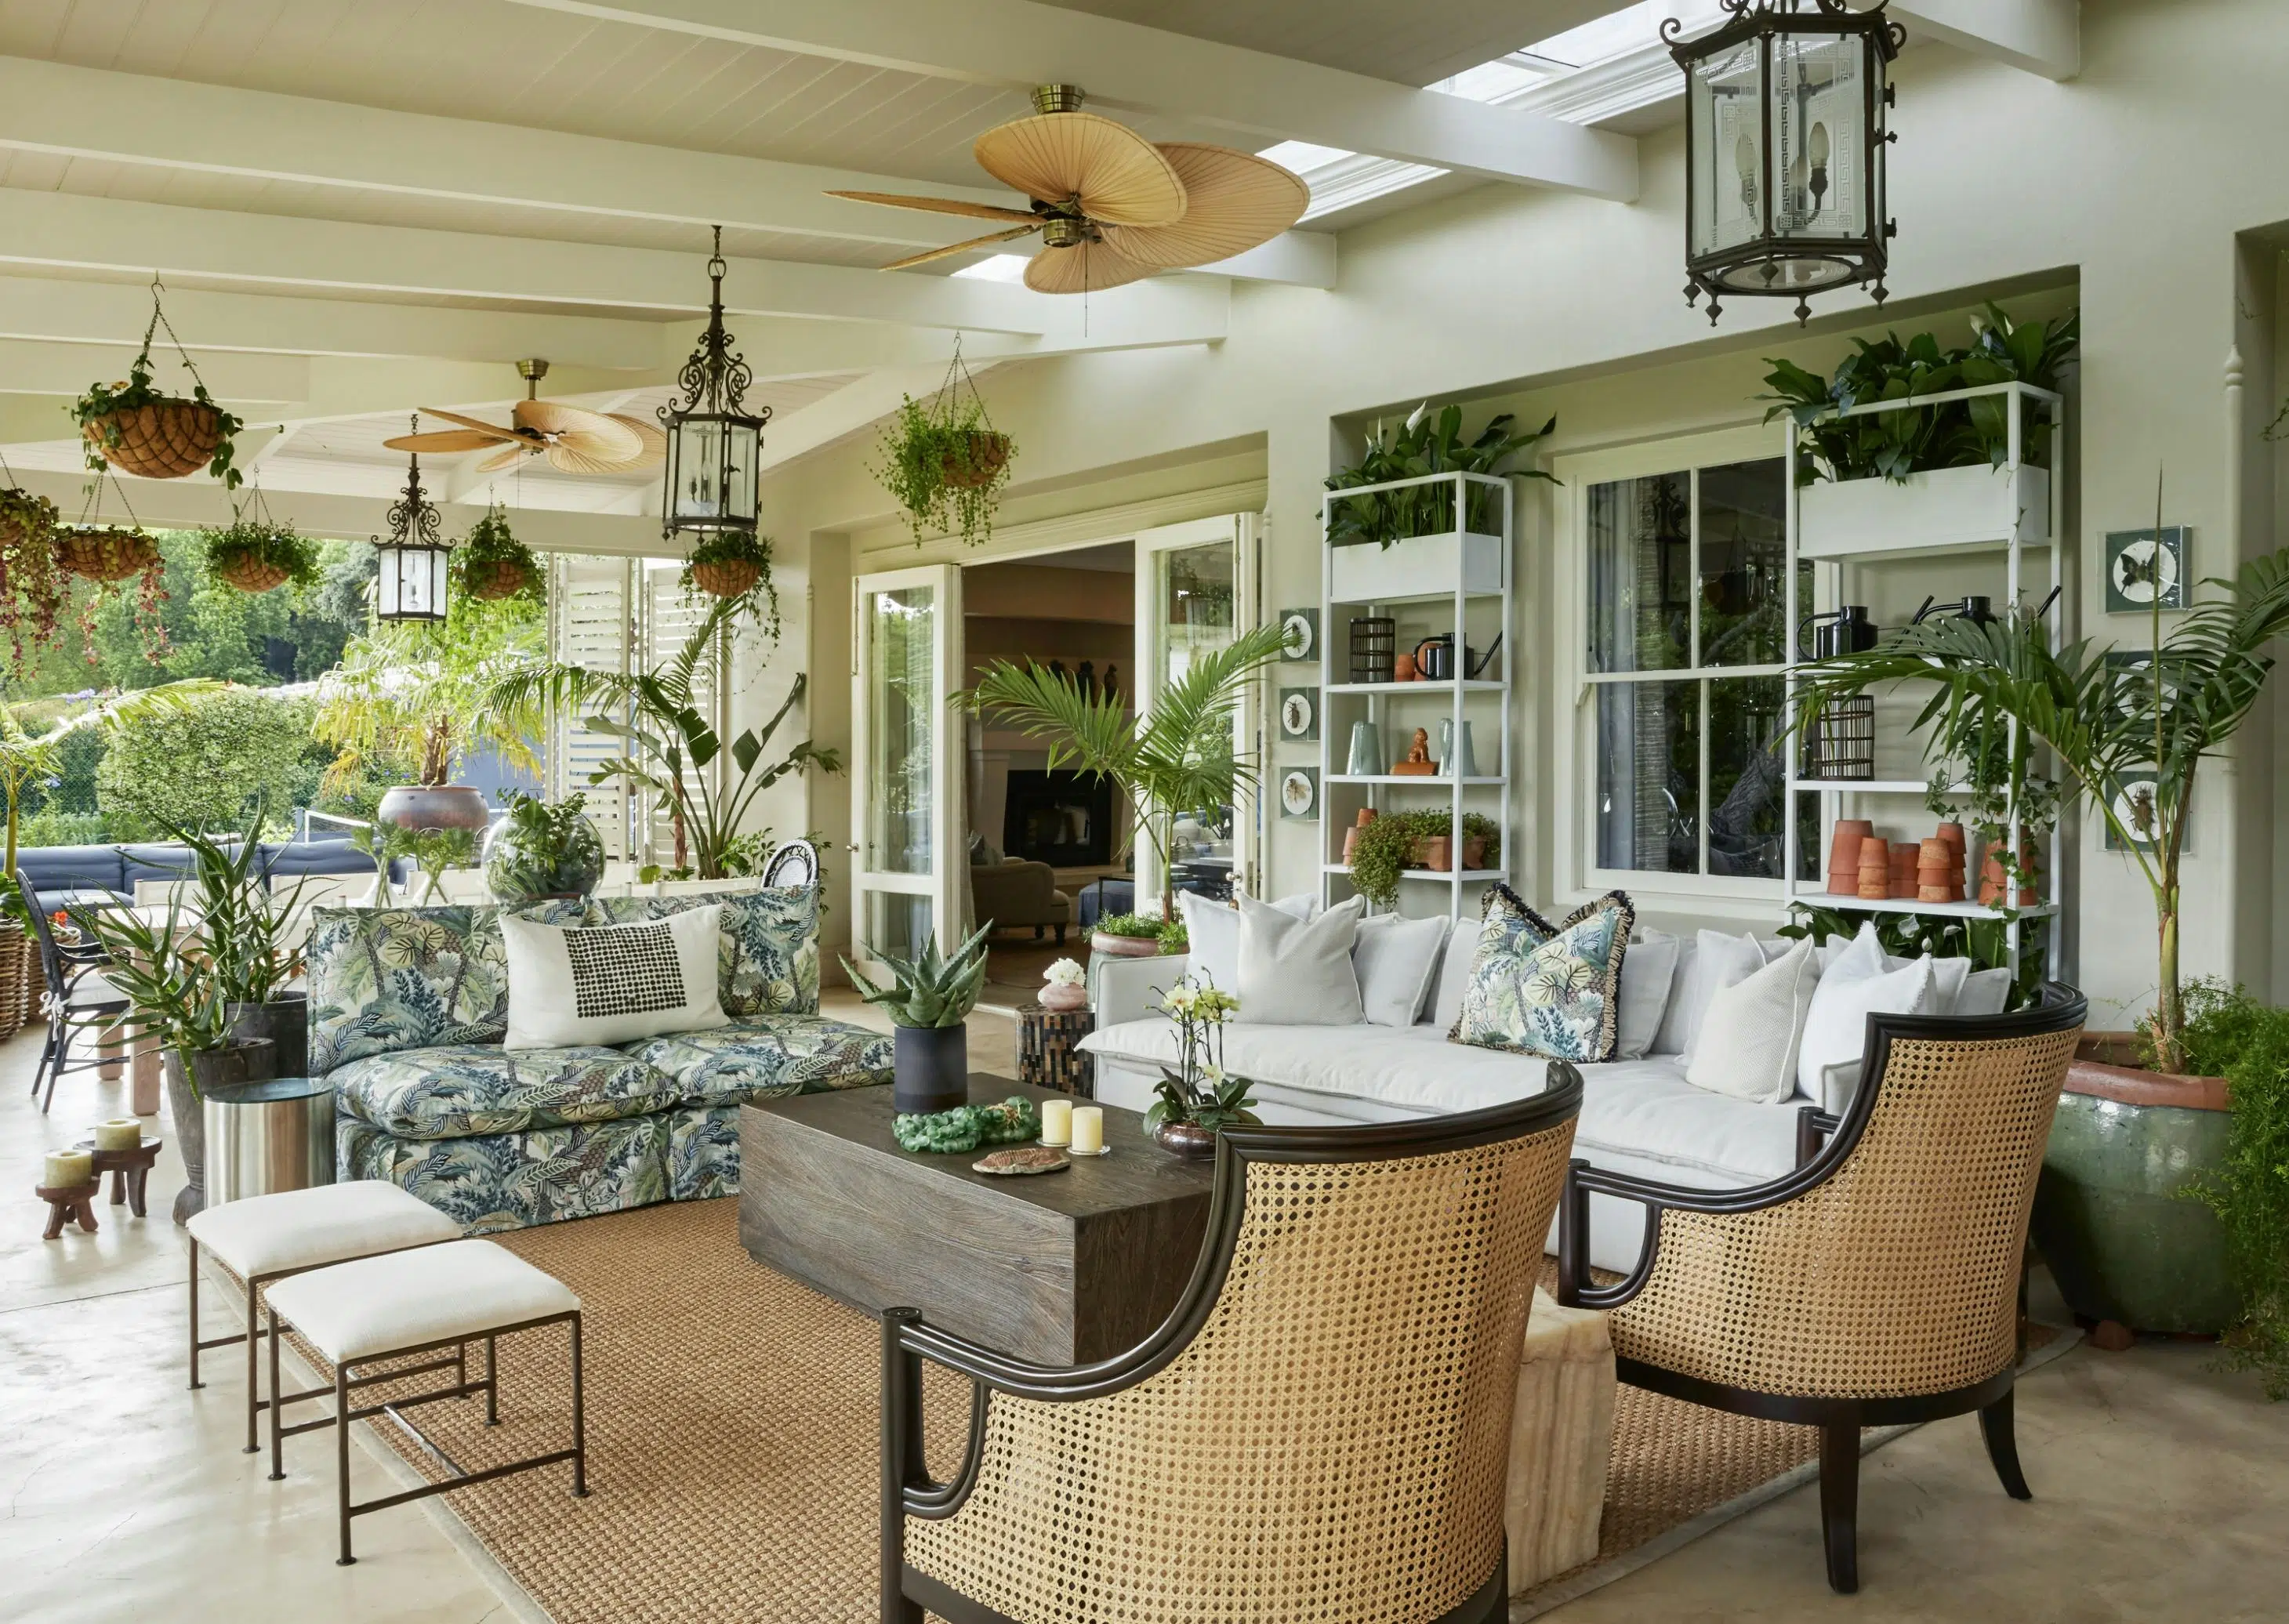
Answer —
1672 593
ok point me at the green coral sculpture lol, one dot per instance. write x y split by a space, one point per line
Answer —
965 1127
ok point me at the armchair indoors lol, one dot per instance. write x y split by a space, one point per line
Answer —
1320 1429
1879 1282
1014 893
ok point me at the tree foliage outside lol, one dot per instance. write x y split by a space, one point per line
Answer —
203 765
423 692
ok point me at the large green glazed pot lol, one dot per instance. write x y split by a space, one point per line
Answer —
2109 1216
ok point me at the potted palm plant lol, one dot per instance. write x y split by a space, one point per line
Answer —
1176 756
2131 736
928 999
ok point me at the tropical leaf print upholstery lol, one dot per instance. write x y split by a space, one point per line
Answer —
768 1057
1543 989
770 949
453 1090
703 1152
494 1181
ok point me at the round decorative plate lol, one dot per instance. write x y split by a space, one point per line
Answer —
1297 793
1296 715
1300 638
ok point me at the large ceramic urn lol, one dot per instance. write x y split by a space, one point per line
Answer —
434 806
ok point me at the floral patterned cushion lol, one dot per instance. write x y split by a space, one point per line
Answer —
384 980
703 1152
496 1182
1542 989
767 1058
771 944
450 1091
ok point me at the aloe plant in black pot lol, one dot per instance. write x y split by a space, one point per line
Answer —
928 999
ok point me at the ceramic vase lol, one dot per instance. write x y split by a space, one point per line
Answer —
1064 996
1366 760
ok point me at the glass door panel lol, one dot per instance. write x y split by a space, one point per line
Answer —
906 773
1194 589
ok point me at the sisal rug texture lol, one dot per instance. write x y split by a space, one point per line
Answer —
732 1437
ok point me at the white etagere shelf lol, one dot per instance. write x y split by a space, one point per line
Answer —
1947 513
1460 568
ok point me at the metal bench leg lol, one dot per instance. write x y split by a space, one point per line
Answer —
579 1419
492 1385
277 1443
253 1368
341 1456
195 1315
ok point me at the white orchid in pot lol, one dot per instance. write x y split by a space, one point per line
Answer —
1200 1096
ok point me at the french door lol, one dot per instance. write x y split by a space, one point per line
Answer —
908 864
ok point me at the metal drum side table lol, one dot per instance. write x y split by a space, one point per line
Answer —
268 1136
1050 1055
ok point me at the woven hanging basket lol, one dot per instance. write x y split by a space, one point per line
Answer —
16 532
251 574
105 554
496 578
167 439
727 578
988 455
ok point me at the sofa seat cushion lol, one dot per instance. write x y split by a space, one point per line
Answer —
766 1057
451 1090
1638 1116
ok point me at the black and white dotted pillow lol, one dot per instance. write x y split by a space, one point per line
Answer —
612 983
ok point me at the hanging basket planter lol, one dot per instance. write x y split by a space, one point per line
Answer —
495 579
975 461
104 553
726 579
252 574
255 555
944 462
168 439
492 564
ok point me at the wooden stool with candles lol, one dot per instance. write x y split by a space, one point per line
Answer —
68 1185
124 1151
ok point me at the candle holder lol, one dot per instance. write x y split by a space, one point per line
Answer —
67 1203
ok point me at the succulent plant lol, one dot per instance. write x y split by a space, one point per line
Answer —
932 990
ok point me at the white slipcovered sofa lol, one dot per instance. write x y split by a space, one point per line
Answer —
1638 1116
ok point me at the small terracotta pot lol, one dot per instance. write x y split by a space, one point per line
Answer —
1402 668
1434 852
1124 947
1844 855
1474 851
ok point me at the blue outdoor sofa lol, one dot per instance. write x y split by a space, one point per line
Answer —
95 876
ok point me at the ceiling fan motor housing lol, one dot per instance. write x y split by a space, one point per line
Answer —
1058 97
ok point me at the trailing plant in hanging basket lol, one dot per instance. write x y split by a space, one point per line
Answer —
135 428
944 461
255 555
491 563
105 553
32 586
731 564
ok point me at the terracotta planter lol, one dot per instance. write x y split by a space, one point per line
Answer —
105 554
434 806
166 440
1433 852
988 453
496 579
1124 947
726 578
1844 855
1474 851
1993 881
2111 1216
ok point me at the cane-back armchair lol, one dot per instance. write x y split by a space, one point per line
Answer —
1878 1283
1320 1431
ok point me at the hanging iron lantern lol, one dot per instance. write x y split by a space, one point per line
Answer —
714 448
411 583
1784 149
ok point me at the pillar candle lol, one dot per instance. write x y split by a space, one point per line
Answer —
68 1170
1056 1122
1088 1129
119 1133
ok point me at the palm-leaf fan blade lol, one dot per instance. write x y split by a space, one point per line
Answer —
491 431
446 440
1086 267
655 443
503 459
591 433
928 254
1238 202
1107 170
939 205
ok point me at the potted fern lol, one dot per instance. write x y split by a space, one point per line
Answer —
928 998
944 462
492 564
1389 543
255 555
137 428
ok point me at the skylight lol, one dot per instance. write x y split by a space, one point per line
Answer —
996 267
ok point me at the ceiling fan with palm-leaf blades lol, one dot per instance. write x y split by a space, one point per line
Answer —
1110 206
572 438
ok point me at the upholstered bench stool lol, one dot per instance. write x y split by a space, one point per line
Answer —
265 1238
402 1304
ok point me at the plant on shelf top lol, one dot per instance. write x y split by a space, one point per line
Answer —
2231 1034
929 989
1385 847
1427 445
256 554
1177 755
1953 435
490 563
2131 737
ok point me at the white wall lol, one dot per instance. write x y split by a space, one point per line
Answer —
2133 185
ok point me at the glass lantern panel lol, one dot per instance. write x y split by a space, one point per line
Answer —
743 447
698 460
410 584
1820 138
1726 92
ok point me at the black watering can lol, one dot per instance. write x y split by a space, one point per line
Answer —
1434 657
1834 632
1978 610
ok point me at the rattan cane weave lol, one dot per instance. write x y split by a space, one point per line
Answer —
1896 1276
1331 1445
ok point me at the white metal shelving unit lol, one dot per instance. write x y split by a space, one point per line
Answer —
1477 570
1962 515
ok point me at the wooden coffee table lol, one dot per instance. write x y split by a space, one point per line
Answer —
1058 1269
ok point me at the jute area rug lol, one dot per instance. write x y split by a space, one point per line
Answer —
732 1436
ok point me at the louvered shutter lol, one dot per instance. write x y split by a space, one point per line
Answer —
670 616
591 623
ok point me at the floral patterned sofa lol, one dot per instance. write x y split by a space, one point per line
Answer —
408 1008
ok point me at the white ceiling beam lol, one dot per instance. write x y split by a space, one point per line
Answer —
258 324
1300 259
849 409
1127 66
40 368
62 231
2041 37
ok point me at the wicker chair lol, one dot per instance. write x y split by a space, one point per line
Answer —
1878 1283
1320 1429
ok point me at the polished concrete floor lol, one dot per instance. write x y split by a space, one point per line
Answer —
2162 1487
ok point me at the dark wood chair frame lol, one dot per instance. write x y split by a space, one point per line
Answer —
64 969
460 1478
907 1339
2058 1008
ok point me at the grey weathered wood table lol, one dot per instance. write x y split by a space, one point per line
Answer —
1060 1268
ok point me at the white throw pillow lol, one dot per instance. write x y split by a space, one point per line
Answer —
1298 972
1984 993
1836 1027
1747 1044
612 983
1722 961
1647 972
1676 1018
1455 975
1396 960
1951 975
1212 935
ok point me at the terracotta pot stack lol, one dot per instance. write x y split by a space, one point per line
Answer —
1905 856
1875 870
1844 855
